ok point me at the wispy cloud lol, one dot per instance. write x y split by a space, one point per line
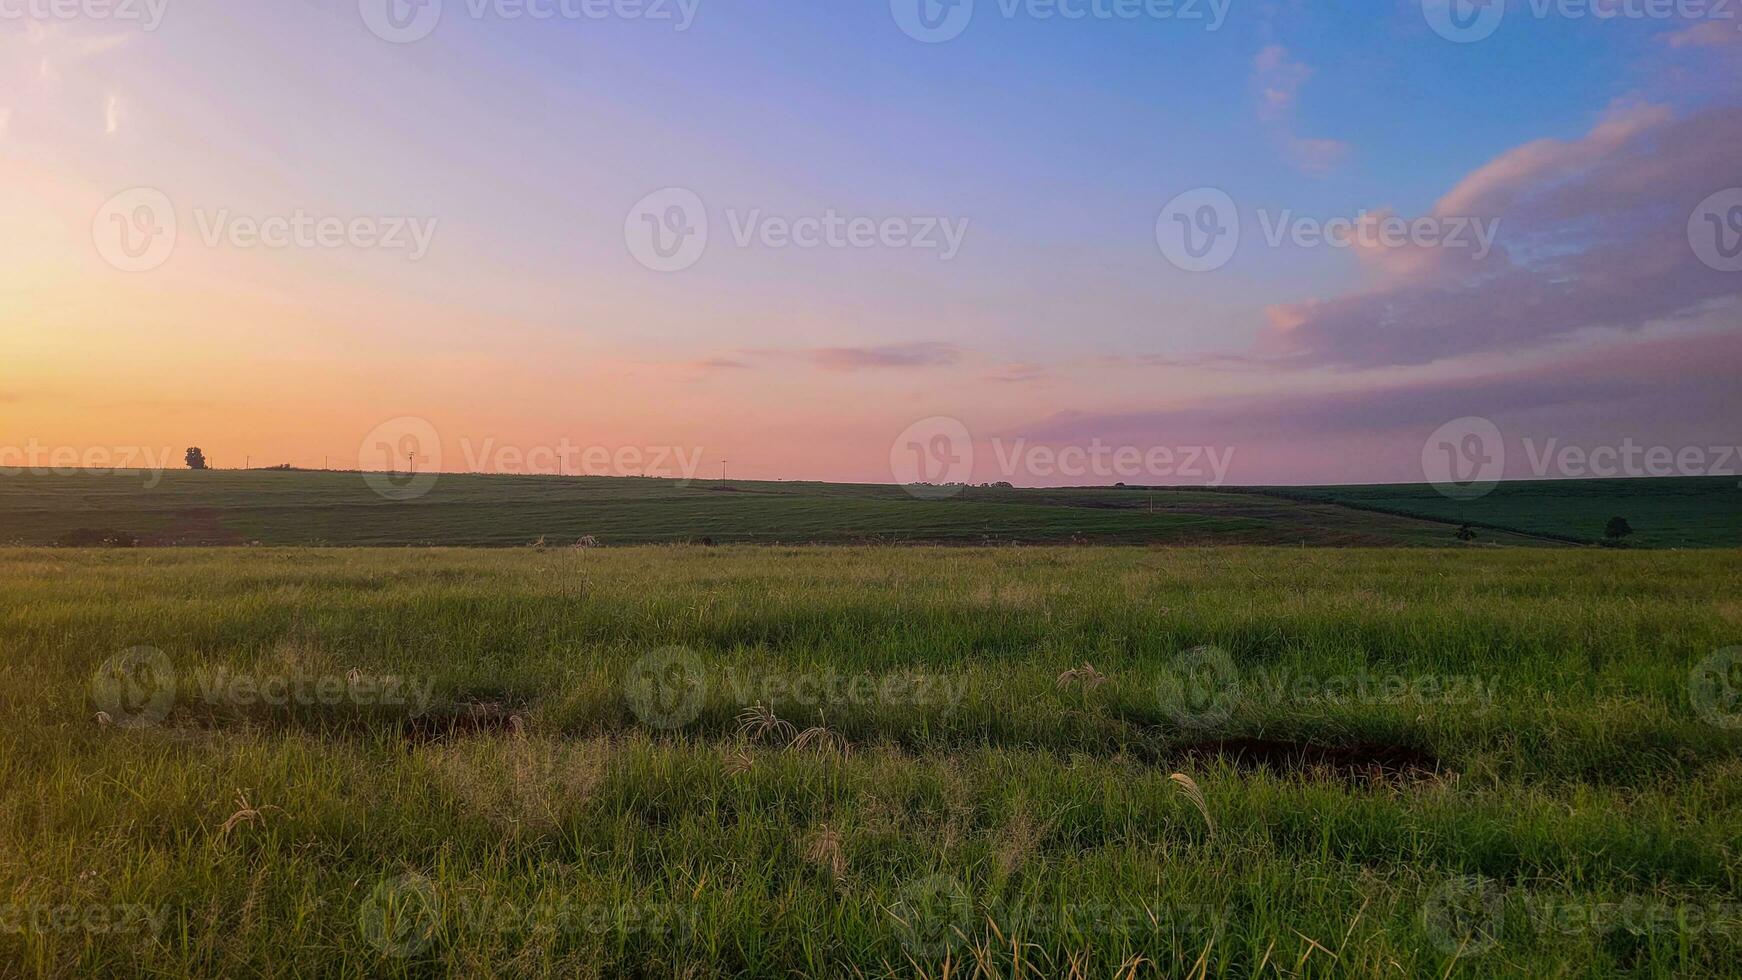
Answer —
928 354
45 66
925 354
1023 373
721 364
1707 34
1279 79
52 49
1205 362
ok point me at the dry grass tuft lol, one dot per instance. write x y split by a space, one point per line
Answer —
246 813
1019 841
820 736
1085 675
738 764
521 783
759 722
824 849
1189 787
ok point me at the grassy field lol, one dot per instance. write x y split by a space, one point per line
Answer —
1676 512
341 509
1390 762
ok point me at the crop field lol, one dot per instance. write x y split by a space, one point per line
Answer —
1674 512
837 762
300 508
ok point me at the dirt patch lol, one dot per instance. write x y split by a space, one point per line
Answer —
480 718
1358 762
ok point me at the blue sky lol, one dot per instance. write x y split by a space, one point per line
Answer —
1057 142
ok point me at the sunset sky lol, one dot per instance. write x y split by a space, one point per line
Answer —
524 146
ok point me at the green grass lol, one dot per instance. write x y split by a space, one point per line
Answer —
583 816
1675 512
340 509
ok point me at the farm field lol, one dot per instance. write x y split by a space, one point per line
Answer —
298 508
1674 512
1011 762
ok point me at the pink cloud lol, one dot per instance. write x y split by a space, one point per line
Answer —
1707 34
1592 235
1677 392
1494 186
893 356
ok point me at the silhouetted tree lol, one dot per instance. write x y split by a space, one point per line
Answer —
1618 528
196 459
1466 533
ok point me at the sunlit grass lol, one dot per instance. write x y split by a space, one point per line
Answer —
871 765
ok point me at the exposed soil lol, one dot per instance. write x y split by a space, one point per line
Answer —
481 718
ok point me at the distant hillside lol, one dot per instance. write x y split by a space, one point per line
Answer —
340 509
